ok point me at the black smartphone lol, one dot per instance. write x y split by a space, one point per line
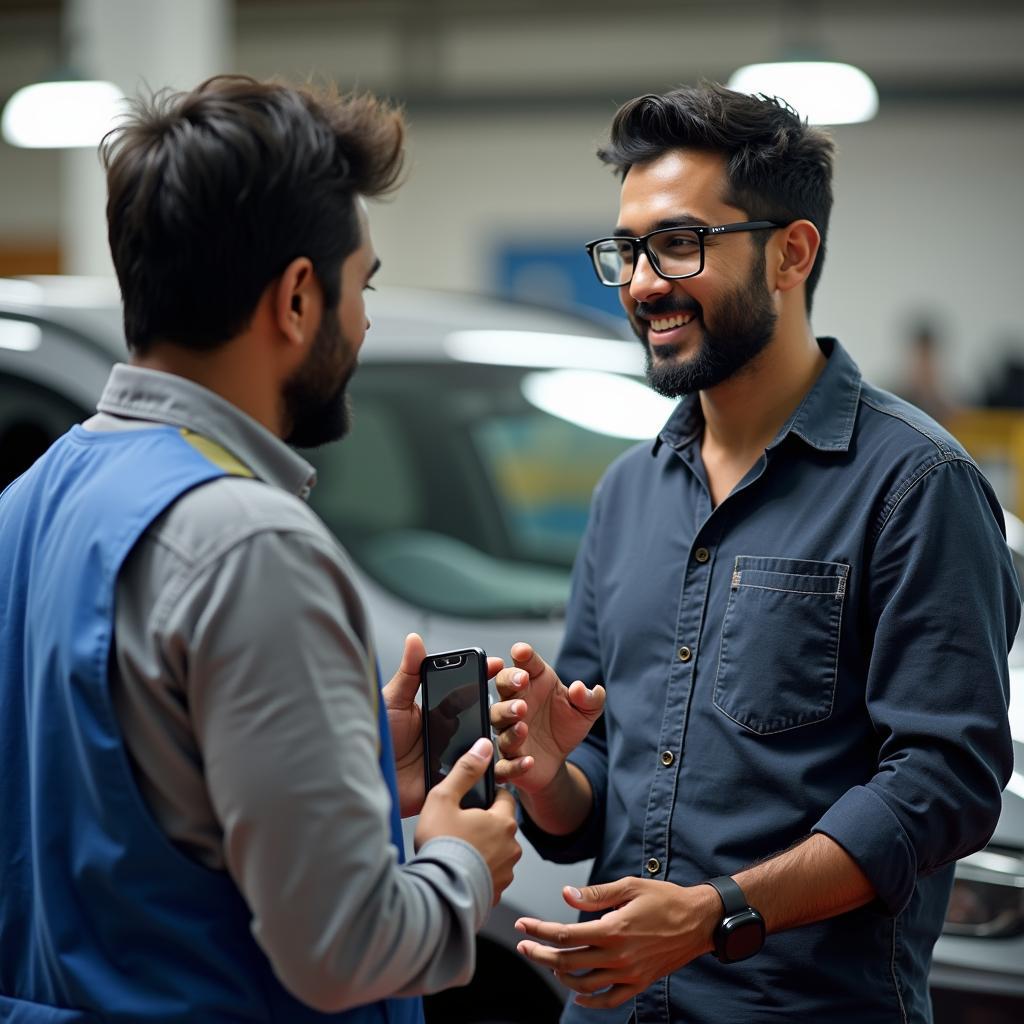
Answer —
455 715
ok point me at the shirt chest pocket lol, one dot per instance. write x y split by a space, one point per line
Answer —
780 642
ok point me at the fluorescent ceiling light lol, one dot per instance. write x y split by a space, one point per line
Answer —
61 115
605 403
821 91
20 335
541 349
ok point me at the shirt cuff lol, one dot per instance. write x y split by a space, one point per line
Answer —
585 842
452 852
863 824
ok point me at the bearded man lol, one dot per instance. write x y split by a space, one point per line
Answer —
200 794
802 729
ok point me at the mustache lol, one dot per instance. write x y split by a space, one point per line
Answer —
666 307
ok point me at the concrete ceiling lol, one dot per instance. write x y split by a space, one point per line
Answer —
535 54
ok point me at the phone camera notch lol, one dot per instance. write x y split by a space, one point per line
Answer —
449 662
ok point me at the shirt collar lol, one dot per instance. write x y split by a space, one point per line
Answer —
824 419
143 394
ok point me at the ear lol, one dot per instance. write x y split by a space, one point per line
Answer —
297 302
794 250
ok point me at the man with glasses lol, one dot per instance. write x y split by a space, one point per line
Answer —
791 730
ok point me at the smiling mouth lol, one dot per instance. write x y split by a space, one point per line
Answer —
668 323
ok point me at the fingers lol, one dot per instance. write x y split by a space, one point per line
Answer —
508 771
412 655
504 809
528 665
494 666
511 740
465 772
401 689
510 681
564 961
601 897
589 933
526 658
505 713
504 805
595 981
615 996
590 702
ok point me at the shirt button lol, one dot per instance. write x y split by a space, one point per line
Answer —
653 866
685 654
702 555
667 757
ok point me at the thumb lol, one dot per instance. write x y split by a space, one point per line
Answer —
465 772
401 689
599 897
589 702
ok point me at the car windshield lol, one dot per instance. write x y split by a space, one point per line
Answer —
456 492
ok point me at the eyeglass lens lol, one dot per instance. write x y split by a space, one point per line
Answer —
675 252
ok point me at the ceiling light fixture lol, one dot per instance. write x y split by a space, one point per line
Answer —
61 114
824 92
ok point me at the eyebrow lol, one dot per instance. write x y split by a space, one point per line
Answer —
684 220
374 268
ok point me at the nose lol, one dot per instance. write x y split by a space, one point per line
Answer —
646 284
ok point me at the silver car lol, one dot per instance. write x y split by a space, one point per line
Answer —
480 430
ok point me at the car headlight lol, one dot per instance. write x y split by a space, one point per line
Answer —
988 896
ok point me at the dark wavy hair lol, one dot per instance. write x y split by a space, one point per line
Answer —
213 192
777 166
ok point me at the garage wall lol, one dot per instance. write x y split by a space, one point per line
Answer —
507 104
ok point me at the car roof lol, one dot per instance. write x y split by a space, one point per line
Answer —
407 323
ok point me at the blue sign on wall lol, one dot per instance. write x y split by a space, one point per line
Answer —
553 273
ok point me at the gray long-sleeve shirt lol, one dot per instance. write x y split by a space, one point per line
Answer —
244 683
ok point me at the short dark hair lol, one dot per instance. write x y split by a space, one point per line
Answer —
213 192
777 166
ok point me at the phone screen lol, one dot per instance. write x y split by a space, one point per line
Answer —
455 705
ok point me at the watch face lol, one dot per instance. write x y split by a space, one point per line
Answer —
742 936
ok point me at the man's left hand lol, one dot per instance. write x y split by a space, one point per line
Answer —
405 720
652 929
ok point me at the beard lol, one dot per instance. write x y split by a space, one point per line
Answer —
316 407
743 325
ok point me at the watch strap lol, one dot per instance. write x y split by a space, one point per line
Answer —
733 900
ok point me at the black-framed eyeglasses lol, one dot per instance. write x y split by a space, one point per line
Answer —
674 253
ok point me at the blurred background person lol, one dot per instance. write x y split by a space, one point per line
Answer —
925 373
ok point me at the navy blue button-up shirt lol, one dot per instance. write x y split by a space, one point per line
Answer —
825 651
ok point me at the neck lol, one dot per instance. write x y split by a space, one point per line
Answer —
228 371
743 414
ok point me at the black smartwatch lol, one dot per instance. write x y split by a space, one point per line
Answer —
740 933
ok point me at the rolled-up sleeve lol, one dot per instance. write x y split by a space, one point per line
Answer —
943 607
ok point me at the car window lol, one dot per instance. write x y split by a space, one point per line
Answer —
543 471
456 493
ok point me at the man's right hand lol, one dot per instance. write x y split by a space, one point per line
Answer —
539 720
492 832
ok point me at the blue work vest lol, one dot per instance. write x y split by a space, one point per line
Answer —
102 918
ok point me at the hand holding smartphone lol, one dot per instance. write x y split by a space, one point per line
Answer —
455 716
